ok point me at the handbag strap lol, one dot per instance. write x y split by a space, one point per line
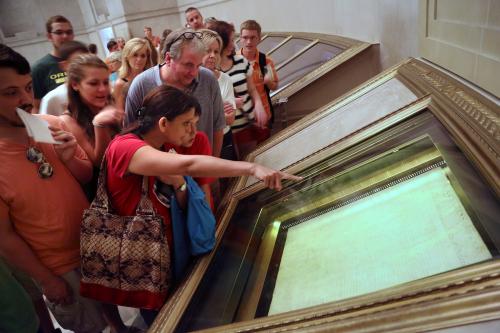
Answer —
145 206
101 200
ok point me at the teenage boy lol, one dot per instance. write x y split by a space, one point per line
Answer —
55 102
46 73
264 74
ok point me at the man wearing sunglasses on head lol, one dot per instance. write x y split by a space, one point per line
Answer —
41 201
47 75
184 53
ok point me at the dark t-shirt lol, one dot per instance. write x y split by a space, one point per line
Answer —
47 75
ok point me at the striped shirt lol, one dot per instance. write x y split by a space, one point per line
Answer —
238 73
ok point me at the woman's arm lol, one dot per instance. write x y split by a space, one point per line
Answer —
117 94
76 161
104 122
149 161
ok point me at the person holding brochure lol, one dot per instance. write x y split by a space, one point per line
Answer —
41 201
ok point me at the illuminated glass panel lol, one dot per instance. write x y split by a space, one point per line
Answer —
306 63
268 43
289 49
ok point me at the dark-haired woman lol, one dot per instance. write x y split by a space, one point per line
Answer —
168 116
249 108
90 117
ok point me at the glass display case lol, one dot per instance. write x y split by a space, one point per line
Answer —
306 63
310 64
270 42
394 227
288 49
306 57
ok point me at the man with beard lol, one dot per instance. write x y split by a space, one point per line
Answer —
41 201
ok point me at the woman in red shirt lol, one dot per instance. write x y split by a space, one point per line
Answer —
168 116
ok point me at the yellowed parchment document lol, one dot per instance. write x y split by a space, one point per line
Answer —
409 231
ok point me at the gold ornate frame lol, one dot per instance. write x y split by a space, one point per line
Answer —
460 297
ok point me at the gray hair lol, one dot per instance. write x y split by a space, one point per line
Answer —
115 56
174 44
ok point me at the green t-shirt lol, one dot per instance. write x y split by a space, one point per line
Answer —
17 314
47 75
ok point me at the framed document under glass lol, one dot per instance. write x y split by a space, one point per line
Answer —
394 227
402 206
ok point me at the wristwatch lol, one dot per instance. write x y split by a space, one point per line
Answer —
182 188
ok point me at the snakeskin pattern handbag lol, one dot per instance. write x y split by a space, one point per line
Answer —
125 260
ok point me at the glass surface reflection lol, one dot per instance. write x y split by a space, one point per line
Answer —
364 220
269 43
288 50
306 63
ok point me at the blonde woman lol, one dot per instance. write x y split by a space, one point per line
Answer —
211 60
136 58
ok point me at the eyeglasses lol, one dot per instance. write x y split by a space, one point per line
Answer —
34 155
62 32
188 35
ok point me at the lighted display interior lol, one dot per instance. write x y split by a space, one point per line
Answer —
413 229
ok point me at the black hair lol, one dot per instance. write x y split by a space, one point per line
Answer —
92 48
11 59
224 30
163 101
111 43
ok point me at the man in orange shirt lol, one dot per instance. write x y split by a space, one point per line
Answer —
41 201
264 74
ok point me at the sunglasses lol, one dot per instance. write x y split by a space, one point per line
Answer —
163 192
34 155
188 35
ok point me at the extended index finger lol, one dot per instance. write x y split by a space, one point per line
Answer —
285 175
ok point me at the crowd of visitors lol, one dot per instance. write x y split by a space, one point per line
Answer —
131 128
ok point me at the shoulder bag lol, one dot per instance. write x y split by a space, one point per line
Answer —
125 260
